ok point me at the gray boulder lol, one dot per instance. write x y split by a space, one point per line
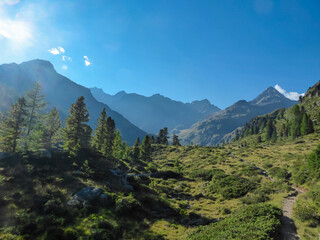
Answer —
90 196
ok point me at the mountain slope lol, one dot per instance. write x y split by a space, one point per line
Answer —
211 130
59 92
155 112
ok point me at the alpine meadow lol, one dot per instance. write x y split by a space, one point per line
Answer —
159 120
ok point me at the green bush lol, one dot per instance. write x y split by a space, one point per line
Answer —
279 173
231 186
306 212
253 222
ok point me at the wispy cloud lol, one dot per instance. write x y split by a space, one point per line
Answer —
87 61
64 67
66 58
290 95
61 49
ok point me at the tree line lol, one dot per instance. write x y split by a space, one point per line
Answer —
28 126
282 123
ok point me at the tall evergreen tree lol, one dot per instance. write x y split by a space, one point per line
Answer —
136 149
175 140
35 104
11 126
110 135
100 134
52 129
306 125
237 135
119 147
162 137
76 132
295 121
146 149
269 130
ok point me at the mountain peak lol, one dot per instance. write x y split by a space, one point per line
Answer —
39 62
270 96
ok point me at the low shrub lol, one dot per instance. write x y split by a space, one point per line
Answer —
253 222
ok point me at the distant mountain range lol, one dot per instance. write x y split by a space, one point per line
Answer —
59 91
198 122
155 112
217 127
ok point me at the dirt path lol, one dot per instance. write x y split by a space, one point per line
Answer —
289 230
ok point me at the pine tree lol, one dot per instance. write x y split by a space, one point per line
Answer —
295 121
146 149
136 149
237 135
306 125
34 105
11 126
119 147
100 134
52 129
77 133
269 130
162 137
175 140
110 135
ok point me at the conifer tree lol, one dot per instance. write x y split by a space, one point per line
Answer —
146 149
119 147
269 130
110 135
76 132
306 125
35 104
11 126
52 129
100 134
136 149
237 135
295 121
175 140
163 136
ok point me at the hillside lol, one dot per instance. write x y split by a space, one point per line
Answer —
212 130
183 192
59 91
298 120
155 112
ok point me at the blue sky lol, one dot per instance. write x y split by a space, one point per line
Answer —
186 50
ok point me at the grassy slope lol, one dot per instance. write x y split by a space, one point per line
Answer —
30 183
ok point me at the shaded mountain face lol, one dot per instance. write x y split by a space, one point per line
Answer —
155 112
59 91
214 129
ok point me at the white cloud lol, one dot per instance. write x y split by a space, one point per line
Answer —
64 67
290 95
66 58
87 61
61 49
54 51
